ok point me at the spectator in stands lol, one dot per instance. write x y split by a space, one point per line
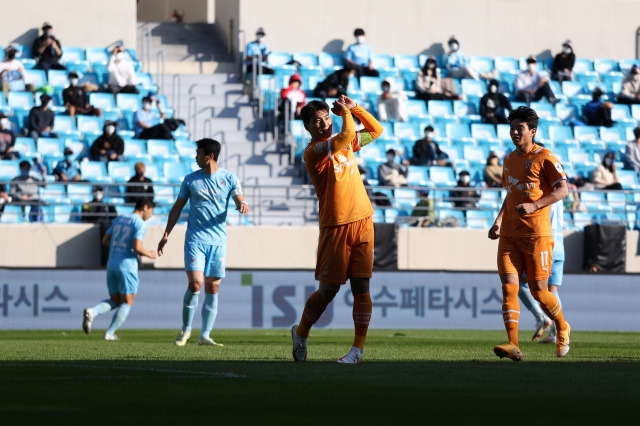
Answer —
604 176
392 173
457 63
39 168
336 84
24 191
360 56
292 98
530 85
630 93
563 63
109 146
139 186
494 106
7 139
465 197
596 112
392 104
76 100
96 210
41 119
427 152
430 84
424 213
492 173
5 198
258 50
632 152
12 73
67 170
122 74
47 50
146 117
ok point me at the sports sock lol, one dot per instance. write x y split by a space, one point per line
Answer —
313 309
209 313
362 308
551 306
102 307
511 311
189 309
118 318
530 303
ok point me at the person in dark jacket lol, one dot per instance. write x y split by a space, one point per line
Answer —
563 63
41 119
109 146
494 106
336 84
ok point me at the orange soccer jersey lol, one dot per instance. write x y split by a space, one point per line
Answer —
528 178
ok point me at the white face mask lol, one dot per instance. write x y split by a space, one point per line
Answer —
109 130
465 179
566 50
385 89
360 39
390 158
73 81
259 36
532 67
4 123
98 195
120 56
454 46
428 135
493 89
146 106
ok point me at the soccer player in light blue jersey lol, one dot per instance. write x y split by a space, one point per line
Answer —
209 191
124 239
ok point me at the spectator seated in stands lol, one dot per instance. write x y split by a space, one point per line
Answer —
96 210
12 73
7 139
492 173
494 107
424 213
632 152
139 186
162 130
68 169
563 63
47 50
630 92
464 197
360 56
146 117
41 119
457 63
427 152
258 50
392 173
596 112
604 176
122 74
109 146
24 191
530 85
5 198
431 86
336 84
392 104
292 98
76 100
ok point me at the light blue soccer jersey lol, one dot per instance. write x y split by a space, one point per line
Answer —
209 197
123 230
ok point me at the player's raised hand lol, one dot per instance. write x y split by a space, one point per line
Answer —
350 103
339 106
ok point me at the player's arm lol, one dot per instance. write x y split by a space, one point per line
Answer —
106 240
348 132
139 248
372 128
560 191
172 219
494 231
241 205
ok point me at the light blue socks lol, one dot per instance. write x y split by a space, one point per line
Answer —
118 318
209 313
103 307
189 309
530 303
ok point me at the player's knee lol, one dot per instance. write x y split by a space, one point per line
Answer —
329 293
195 286
359 285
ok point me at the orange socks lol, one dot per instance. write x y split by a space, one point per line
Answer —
362 308
511 311
551 306
313 309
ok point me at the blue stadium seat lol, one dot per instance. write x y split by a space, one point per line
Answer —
440 108
20 100
625 64
306 59
187 148
627 178
442 176
50 146
560 133
475 155
12 214
73 53
594 200
608 134
458 132
330 61
53 193
450 216
161 147
417 110
88 123
505 64
483 131
620 112
467 111
382 60
482 64
418 176
9 169
36 77
64 124
104 101
144 82
128 101
406 62
278 58
25 146
79 193
572 88
405 130
604 65
480 219
93 170
583 65
97 54
120 171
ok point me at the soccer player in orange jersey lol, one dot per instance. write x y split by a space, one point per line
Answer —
345 243
534 179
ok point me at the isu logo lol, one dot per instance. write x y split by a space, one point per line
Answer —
325 270
192 260
527 164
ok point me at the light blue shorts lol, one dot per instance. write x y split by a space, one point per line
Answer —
205 257
122 282
557 267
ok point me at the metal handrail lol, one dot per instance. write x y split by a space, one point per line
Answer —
160 69
176 91
192 113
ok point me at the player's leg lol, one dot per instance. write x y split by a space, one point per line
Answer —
510 267
194 260
128 290
555 281
542 321
214 271
89 314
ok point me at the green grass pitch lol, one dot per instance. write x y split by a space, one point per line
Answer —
408 377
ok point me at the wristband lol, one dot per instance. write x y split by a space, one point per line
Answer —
244 202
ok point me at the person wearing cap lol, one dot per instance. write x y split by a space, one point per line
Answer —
122 74
96 210
146 117
41 119
258 50
293 96
7 139
427 152
109 146
494 106
464 197
139 186
596 112
563 63
630 92
392 104
360 56
68 169
76 99
457 63
47 50
12 73
125 241
530 85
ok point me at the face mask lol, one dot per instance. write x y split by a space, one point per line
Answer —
360 39
385 89
24 172
109 129
146 106
608 161
428 135
453 46
48 33
532 67
390 158
493 89
73 81
465 179
566 50
68 157
120 56
431 65
259 36
98 195
4 122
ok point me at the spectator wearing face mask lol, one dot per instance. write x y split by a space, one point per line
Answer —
464 196
7 139
563 63
139 186
492 173
359 55
392 173
122 74
258 50
630 93
41 119
12 73
632 152
68 169
24 191
96 210
596 112
392 104
604 176
457 63
427 152
47 50
494 106
76 100
109 146
146 117
530 85
431 86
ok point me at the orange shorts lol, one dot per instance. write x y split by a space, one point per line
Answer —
345 251
523 254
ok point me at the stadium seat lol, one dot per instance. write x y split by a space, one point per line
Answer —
128 101
104 101
417 110
451 216
72 54
330 61
442 176
567 113
582 65
405 198
186 148
306 59
483 131
625 64
560 133
405 130
88 123
627 178
93 170
620 112
458 132
25 146
438 108
572 88
480 219
20 100
475 155
97 54
278 58
418 176
120 171
50 146
405 62
608 134
145 82
36 77
9 169
602 65
12 214
467 111
64 124
382 60
79 193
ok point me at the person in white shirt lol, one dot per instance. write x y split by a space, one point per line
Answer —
122 75
531 85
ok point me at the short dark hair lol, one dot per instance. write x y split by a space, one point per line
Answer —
210 146
636 132
310 109
145 201
24 164
358 32
526 114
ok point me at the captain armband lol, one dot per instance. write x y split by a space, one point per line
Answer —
365 138
237 191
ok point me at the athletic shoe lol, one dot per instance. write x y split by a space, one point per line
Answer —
208 341
110 337
182 338
299 346
508 350
549 338
87 320
353 357
541 326
562 341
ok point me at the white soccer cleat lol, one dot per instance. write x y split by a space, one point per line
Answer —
299 346
549 338
353 357
182 338
110 337
87 320
208 341
541 326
